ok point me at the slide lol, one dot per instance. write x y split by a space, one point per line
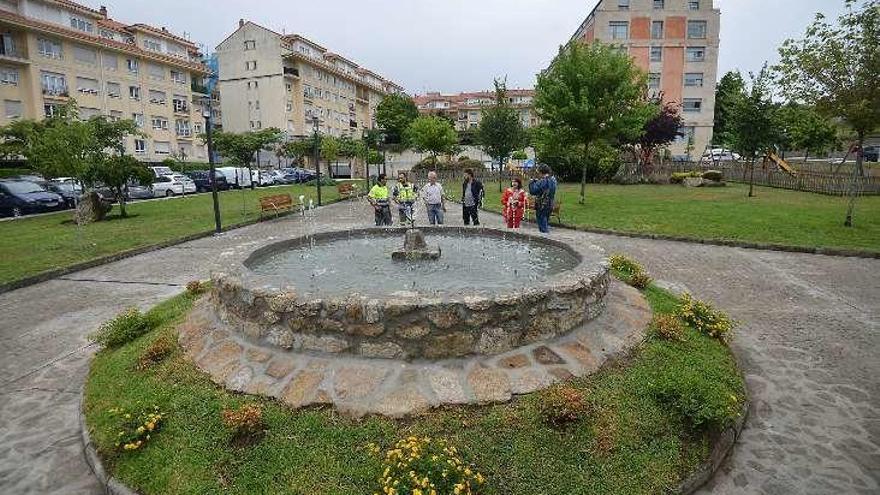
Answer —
782 164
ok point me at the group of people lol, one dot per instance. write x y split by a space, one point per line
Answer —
514 200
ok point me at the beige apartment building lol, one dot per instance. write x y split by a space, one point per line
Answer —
52 51
466 109
268 79
676 43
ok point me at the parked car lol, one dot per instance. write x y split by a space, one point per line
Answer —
282 177
236 177
720 155
68 190
20 197
202 178
262 177
160 171
165 186
302 174
872 153
138 191
189 187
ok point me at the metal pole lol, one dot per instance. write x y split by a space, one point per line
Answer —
317 160
209 131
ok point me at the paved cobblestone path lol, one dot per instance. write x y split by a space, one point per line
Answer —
809 342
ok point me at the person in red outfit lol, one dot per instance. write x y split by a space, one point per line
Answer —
515 201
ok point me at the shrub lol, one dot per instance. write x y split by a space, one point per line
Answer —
667 327
325 181
562 405
704 318
425 466
244 422
519 155
156 352
459 165
640 280
630 271
679 177
136 429
122 329
196 287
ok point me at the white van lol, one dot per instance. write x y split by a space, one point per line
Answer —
236 177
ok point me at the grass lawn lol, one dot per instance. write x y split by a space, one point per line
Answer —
33 245
636 439
774 216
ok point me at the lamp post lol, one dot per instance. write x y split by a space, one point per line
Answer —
316 122
209 131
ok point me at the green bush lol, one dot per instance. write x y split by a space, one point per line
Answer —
679 177
519 155
124 328
562 405
667 327
640 280
460 165
704 318
325 181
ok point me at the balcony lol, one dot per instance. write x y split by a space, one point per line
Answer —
291 71
59 93
199 88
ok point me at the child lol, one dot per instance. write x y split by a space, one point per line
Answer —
515 201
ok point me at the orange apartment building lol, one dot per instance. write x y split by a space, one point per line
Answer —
676 42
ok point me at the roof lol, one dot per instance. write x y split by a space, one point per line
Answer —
162 32
297 37
77 6
460 99
98 40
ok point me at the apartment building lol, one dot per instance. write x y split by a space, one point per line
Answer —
466 109
268 79
676 43
52 51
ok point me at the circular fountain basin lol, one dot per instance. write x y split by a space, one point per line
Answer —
340 292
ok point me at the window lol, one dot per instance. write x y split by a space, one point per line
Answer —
289 106
134 92
86 113
53 84
156 72
250 65
132 65
183 128
657 30
694 79
138 119
157 97
115 115
654 80
111 62
656 54
81 24
87 85
178 77
85 55
7 45
13 109
623 4
159 123
50 48
152 45
162 147
197 128
696 53
250 45
50 109
694 4
9 76
697 30
659 4
140 146
179 103
687 134
692 104
619 30
114 90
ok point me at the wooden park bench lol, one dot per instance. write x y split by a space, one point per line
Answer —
276 204
348 190
557 208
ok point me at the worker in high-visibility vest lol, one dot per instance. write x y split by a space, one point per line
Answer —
404 195
380 200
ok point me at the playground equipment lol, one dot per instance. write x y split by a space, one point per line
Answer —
782 164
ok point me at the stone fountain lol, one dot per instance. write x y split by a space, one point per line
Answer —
415 248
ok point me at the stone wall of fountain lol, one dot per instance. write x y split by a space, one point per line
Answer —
410 325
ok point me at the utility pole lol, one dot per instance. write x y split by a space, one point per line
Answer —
316 123
209 131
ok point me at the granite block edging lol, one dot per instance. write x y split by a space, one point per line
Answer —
110 485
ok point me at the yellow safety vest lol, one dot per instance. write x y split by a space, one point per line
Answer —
406 194
379 194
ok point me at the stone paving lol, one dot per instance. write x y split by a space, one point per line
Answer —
809 343
358 386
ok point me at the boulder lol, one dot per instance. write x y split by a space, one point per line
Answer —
713 175
91 208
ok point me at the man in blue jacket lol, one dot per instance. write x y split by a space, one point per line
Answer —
472 193
544 192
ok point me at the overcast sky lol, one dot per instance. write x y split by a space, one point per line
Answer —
457 45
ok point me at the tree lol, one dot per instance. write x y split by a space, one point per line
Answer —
661 130
729 89
242 148
501 131
807 130
591 93
752 126
394 114
433 135
297 149
117 171
835 68
330 149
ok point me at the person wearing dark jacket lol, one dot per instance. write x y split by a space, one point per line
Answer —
472 193
544 192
